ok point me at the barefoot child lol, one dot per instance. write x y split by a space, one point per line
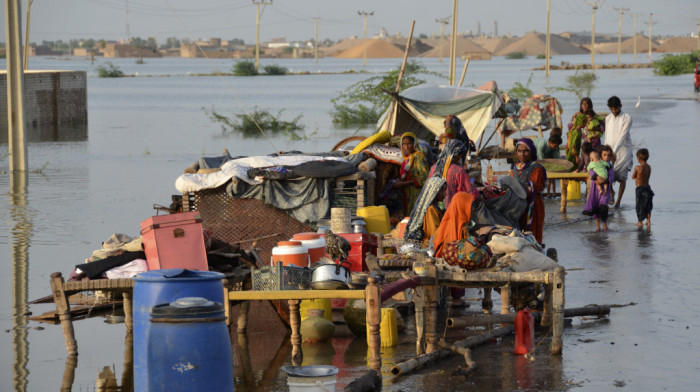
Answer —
601 169
644 195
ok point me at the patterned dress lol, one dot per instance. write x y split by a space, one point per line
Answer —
415 169
534 177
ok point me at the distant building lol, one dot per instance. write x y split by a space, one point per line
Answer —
127 50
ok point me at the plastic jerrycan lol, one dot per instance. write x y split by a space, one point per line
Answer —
524 332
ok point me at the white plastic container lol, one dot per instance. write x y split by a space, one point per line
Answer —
311 384
290 253
314 243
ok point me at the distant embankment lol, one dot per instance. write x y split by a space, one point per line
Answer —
597 66
52 99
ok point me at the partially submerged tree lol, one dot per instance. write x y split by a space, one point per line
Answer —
580 83
365 101
676 64
257 123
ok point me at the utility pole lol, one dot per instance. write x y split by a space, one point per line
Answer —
453 50
364 41
128 33
635 15
15 87
547 44
595 7
650 23
443 22
26 37
257 31
619 33
316 39
698 20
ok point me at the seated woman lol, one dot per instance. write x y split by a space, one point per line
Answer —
533 177
456 217
414 172
450 166
433 217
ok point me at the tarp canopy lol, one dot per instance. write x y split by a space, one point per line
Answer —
422 109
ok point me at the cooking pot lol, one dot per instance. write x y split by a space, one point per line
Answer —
330 277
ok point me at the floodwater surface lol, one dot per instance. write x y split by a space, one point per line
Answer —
143 131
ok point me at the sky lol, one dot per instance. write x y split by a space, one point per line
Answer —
294 19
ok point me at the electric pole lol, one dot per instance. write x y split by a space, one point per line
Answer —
619 33
364 42
443 22
257 31
316 39
453 49
595 7
635 15
650 23
15 87
128 33
547 44
698 20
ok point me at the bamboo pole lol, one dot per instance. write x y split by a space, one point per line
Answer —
487 319
490 137
393 108
454 278
464 72
406 367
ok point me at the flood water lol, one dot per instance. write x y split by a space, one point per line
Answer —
143 131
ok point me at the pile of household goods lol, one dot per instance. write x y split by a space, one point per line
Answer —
166 242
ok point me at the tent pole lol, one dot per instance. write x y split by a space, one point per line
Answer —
393 108
464 72
478 150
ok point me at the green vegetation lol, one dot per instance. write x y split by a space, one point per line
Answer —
580 83
275 69
521 92
676 64
516 56
542 56
256 124
245 68
109 70
363 102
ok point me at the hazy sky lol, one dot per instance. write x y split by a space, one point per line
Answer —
293 19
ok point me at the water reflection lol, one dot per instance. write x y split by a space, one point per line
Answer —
55 133
69 373
21 233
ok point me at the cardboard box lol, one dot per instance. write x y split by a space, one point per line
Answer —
174 241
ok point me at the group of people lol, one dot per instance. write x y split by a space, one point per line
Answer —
608 163
439 197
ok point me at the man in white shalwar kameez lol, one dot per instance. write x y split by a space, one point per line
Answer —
617 136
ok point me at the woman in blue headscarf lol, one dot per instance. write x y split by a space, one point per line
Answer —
533 177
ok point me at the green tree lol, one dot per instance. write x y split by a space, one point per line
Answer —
364 101
244 68
675 64
109 70
258 123
580 83
521 91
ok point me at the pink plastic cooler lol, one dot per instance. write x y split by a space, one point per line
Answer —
174 241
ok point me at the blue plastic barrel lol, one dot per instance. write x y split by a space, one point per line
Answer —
189 347
164 286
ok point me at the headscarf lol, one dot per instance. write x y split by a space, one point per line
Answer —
457 215
527 142
453 148
408 160
457 131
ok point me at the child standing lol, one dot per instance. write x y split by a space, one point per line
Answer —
643 193
597 202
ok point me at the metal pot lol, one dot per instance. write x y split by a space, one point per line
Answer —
330 276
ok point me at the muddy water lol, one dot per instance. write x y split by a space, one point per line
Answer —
84 186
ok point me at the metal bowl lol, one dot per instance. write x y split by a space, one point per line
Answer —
329 285
311 371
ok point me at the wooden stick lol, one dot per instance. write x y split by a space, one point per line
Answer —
128 311
421 360
468 278
431 300
464 72
394 103
467 353
505 299
547 307
478 150
563 184
69 373
295 324
419 304
558 303
487 319
242 322
63 309
374 318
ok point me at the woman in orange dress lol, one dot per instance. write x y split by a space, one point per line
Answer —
452 226
533 176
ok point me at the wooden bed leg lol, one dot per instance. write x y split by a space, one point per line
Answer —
431 300
487 302
547 306
505 299
128 311
563 184
419 304
374 319
63 309
380 244
242 322
295 323
558 303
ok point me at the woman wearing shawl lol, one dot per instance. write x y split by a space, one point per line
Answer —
533 176
452 226
454 129
450 166
414 172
